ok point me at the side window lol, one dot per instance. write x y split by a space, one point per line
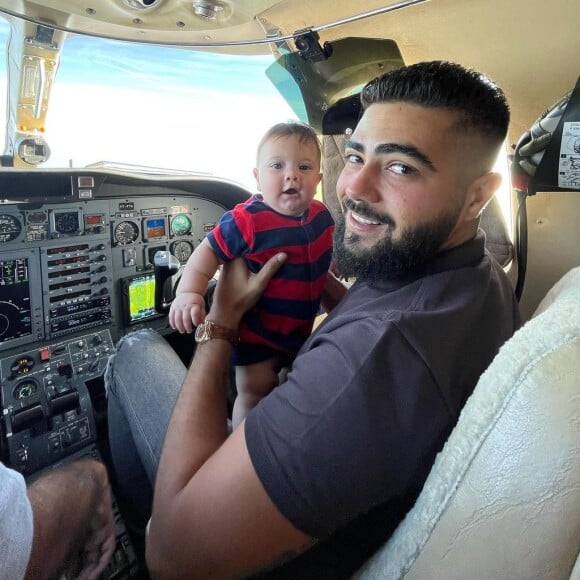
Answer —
504 193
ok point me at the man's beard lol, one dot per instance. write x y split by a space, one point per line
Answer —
389 259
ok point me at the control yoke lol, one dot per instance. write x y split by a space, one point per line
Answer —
165 265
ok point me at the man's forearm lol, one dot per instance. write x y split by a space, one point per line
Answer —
198 427
199 461
199 422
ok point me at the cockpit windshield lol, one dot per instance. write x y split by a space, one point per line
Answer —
155 106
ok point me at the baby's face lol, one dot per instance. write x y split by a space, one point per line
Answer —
287 174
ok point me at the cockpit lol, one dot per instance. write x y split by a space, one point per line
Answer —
131 127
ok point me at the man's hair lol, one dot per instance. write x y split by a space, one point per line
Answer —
479 101
304 132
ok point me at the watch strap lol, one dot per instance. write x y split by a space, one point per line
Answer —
209 330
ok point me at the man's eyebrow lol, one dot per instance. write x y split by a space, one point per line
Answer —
354 145
383 148
408 150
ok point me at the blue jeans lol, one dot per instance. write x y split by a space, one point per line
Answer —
143 379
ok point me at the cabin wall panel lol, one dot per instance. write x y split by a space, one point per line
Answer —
553 244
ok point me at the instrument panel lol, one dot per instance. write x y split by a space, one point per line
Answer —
76 274
65 267
61 267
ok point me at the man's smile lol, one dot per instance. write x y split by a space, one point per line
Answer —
362 220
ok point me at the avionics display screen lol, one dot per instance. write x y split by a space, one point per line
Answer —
140 298
154 228
15 306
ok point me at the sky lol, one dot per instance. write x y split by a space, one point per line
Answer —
157 106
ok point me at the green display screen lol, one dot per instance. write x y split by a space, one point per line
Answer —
141 296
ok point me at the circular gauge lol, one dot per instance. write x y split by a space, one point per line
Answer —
66 223
24 389
182 250
126 233
180 225
10 227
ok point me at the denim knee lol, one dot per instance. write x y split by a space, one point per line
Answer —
133 345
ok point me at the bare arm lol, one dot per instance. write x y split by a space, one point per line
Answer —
199 270
188 306
73 521
211 515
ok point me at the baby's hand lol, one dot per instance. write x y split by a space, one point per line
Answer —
187 310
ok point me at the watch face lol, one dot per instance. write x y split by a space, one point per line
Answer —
202 332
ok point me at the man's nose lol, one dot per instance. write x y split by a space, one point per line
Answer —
362 185
291 175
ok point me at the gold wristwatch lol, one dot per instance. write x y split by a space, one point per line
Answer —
209 330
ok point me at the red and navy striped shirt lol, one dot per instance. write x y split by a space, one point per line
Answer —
283 318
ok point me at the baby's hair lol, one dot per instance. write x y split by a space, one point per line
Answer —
304 132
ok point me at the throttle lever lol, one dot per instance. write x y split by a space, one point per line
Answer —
165 265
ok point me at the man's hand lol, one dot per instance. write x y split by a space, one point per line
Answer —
238 289
187 310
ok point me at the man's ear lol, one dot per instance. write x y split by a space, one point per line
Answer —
319 178
480 192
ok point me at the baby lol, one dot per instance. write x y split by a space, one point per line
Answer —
283 217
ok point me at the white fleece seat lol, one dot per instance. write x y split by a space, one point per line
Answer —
502 500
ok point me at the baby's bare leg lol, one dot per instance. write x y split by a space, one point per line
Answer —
253 383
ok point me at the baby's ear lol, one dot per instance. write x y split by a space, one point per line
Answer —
257 177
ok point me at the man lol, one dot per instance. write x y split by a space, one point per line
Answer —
325 467
62 522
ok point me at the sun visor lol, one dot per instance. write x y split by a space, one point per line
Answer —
324 92
559 167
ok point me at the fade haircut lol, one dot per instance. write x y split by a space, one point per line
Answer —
479 101
304 132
